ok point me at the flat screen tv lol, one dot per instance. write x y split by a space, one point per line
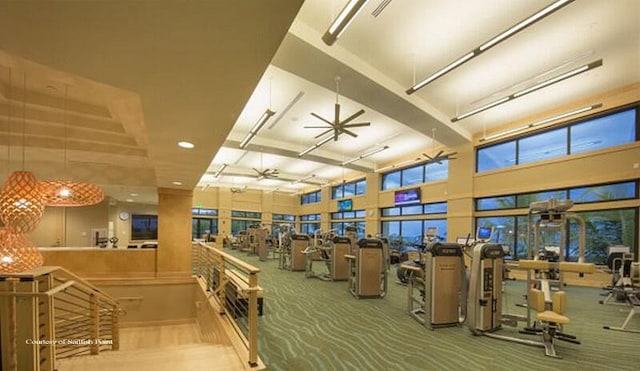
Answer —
407 196
345 205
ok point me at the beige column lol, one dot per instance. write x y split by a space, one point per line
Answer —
460 193
224 212
174 233
372 212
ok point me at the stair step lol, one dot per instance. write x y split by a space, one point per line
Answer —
212 357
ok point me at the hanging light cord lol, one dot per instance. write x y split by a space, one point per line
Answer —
24 120
9 124
64 164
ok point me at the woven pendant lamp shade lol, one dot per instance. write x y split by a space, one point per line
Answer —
67 193
21 202
17 252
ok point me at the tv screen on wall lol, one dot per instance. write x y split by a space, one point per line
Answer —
345 205
407 196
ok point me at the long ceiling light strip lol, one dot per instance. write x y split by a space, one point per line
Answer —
322 142
302 180
365 155
403 163
286 109
492 42
541 122
256 128
219 172
343 20
536 87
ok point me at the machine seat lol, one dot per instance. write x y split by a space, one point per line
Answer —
550 316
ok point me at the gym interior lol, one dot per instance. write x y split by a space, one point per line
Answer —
320 185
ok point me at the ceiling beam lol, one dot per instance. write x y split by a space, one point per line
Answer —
294 155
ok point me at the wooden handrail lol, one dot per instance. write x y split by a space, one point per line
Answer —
232 259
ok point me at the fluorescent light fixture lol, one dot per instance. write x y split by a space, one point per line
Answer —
343 20
370 153
492 42
541 122
177 183
538 86
403 163
187 145
133 194
525 23
286 109
256 128
219 171
322 142
303 179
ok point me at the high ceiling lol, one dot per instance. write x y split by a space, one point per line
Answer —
141 76
379 57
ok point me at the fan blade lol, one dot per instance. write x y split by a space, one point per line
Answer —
349 132
357 125
256 170
322 118
428 157
352 117
439 154
316 127
323 133
451 154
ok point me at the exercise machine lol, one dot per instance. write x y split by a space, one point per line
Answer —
414 258
545 278
626 284
321 249
284 245
351 233
367 269
339 264
438 286
297 259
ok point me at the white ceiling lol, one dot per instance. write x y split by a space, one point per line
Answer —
164 71
377 57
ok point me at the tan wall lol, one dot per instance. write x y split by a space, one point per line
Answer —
154 301
100 263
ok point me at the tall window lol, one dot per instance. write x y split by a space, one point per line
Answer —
241 220
309 223
311 197
354 188
342 219
610 130
405 234
418 174
204 221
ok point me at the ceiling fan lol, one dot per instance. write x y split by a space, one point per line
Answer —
266 173
440 156
338 126
239 189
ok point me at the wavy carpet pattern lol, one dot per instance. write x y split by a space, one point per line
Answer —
310 324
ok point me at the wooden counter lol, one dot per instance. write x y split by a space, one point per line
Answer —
92 262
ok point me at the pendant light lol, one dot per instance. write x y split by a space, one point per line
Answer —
21 201
17 252
70 193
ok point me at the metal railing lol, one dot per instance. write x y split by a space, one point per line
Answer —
234 286
52 313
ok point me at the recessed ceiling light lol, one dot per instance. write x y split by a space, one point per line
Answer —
187 145
177 183
129 200
133 194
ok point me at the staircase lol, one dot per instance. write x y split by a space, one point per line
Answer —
174 347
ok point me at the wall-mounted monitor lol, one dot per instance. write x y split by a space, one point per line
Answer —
345 205
407 196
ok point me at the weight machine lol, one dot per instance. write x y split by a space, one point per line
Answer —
367 269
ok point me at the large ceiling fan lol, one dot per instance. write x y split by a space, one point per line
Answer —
266 173
440 156
338 126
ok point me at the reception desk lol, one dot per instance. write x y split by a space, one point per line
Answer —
94 262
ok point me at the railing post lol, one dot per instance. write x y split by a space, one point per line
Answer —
115 328
94 323
48 351
10 336
253 320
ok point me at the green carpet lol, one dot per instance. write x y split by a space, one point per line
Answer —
310 324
